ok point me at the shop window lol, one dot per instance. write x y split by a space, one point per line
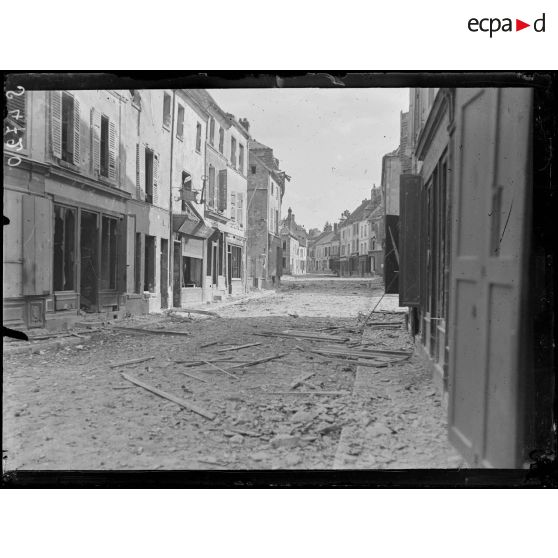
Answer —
236 262
192 272
149 270
64 248
108 253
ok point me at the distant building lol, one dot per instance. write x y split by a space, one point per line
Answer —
294 245
326 251
266 187
357 240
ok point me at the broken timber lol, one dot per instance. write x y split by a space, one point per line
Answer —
259 361
236 348
199 362
192 376
220 369
150 331
311 337
307 392
133 361
194 311
170 397
302 380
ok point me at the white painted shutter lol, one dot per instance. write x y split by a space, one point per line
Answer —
233 206
155 179
77 128
113 146
240 208
56 123
140 171
96 141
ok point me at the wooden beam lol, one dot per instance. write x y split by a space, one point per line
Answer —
170 397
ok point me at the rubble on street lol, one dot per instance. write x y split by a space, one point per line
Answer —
245 386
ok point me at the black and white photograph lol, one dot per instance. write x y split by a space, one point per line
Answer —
280 277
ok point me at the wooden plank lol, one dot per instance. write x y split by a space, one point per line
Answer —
260 361
220 369
195 311
133 361
307 393
193 376
150 331
170 397
199 362
43 245
238 347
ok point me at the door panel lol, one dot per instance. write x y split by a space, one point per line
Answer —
491 182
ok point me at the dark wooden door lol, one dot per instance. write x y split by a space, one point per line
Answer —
491 183
89 261
164 279
176 275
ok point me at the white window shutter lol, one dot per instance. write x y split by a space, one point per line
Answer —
56 123
233 206
239 208
77 129
140 171
95 141
155 179
113 146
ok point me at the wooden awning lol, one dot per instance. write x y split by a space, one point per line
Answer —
186 225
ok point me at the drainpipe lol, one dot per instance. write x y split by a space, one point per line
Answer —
171 240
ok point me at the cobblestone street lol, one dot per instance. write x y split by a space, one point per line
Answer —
67 405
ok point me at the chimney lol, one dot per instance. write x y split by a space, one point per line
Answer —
335 228
245 124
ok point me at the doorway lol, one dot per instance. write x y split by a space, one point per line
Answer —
164 273
229 269
89 261
176 279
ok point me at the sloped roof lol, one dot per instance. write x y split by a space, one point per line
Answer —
253 144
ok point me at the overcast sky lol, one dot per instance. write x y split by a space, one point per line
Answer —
330 141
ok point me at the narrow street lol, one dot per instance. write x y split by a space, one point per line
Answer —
67 405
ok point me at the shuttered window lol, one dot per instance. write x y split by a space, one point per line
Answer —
180 122
240 209
140 172
233 206
65 127
212 131
222 190
241 158
198 137
211 196
221 140
149 175
166 110
233 152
